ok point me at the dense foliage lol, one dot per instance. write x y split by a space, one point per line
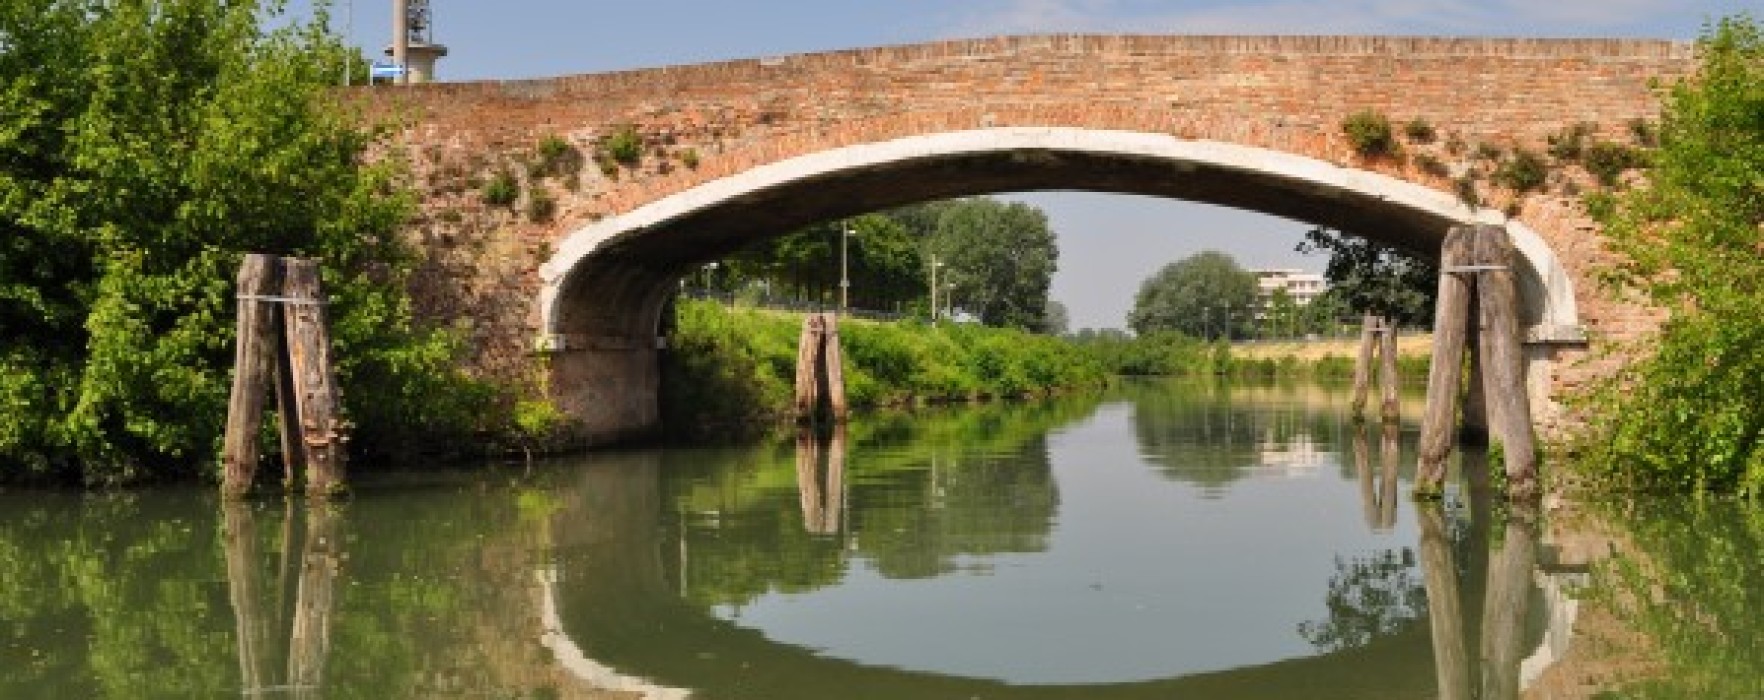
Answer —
729 366
1365 277
994 261
1205 295
145 145
1689 417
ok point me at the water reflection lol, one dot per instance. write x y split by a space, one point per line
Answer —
1503 635
1378 489
820 479
284 637
668 573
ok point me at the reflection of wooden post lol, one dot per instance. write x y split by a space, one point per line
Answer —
1450 324
316 601
1507 602
260 278
1368 480
808 478
1392 410
323 431
1363 366
1503 361
1445 612
1389 454
820 497
252 628
835 489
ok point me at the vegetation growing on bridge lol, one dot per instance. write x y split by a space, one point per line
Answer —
1688 417
146 147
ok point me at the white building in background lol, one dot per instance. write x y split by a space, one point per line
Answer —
1301 286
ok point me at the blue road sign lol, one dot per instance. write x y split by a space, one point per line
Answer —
385 70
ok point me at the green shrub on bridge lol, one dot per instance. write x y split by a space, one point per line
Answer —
1688 418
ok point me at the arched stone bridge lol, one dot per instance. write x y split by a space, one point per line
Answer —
734 152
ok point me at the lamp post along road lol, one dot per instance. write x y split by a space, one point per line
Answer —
844 271
934 265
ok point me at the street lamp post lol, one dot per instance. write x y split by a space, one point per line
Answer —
934 265
844 272
1207 323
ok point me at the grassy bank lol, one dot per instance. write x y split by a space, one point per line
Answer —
729 367
1173 354
1330 359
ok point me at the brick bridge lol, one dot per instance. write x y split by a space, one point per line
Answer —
577 269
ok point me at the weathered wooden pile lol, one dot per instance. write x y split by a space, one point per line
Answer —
284 342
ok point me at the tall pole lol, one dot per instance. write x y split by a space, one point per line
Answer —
348 36
844 272
934 266
401 39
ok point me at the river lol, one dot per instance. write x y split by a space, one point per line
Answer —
1162 539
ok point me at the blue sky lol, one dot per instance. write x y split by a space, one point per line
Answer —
1108 243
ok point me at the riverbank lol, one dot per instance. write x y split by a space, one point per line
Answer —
728 370
1329 358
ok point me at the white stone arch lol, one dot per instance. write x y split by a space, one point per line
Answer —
1555 316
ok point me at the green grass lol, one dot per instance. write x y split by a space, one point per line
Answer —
737 366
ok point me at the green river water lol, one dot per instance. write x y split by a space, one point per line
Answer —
1165 539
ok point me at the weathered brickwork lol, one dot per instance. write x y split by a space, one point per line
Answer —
1290 94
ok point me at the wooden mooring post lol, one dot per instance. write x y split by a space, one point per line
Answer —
1478 261
284 341
1377 346
820 374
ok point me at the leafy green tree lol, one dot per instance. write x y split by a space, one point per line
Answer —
1687 418
1370 278
996 259
1000 258
1203 295
1281 315
145 146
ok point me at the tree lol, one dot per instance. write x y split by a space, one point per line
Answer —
1687 417
1205 295
145 146
883 259
998 257
1055 320
1281 315
1377 279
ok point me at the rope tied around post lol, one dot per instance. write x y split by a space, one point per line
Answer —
1476 263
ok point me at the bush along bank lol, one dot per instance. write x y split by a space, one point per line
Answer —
730 369
1176 354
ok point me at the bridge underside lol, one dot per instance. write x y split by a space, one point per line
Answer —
606 286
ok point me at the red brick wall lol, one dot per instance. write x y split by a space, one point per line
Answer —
1288 94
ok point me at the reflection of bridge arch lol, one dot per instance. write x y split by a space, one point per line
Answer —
604 289
617 615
